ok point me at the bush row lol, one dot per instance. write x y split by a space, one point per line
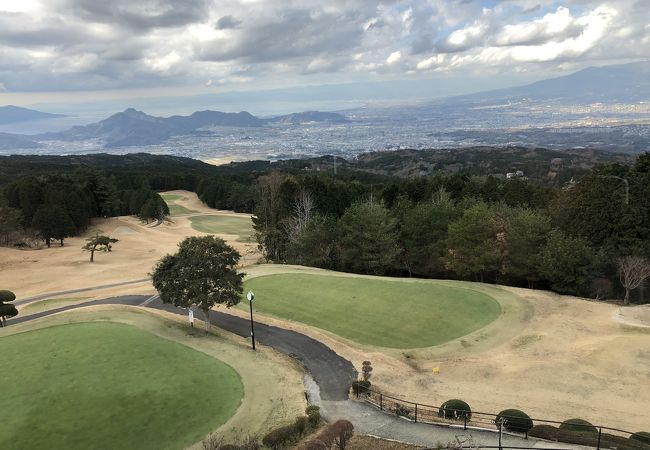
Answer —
287 435
334 436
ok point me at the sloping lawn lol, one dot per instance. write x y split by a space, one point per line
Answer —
218 224
385 313
110 386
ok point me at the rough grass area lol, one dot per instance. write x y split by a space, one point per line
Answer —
219 224
45 305
108 386
375 311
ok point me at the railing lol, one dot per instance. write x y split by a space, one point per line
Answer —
595 436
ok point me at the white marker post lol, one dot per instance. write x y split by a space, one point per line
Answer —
190 317
250 296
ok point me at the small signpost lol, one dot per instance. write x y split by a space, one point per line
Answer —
250 296
190 317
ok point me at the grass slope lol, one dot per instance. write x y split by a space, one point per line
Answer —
239 226
175 209
108 386
45 305
379 312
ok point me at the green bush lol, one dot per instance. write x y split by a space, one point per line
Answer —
313 414
7 296
514 420
578 425
641 436
455 409
281 437
302 425
360 386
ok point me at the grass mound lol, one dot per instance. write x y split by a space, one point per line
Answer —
217 224
106 386
386 313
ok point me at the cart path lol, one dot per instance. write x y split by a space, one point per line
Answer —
333 373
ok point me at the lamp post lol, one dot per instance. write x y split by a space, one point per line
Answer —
250 296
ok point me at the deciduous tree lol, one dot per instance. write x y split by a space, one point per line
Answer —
632 272
203 273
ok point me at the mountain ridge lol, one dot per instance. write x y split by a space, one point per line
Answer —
10 114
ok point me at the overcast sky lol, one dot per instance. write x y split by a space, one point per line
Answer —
60 50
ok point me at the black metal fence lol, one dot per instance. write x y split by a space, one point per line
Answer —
595 436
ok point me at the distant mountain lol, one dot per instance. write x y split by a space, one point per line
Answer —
13 114
624 83
132 127
309 116
16 141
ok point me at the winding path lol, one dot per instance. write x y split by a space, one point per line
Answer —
327 381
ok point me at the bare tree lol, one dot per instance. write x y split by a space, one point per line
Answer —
632 272
303 211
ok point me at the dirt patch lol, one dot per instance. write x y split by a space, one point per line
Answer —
33 272
634 316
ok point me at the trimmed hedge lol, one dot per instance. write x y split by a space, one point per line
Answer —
514 420
641 436
455 409
289 434
578 425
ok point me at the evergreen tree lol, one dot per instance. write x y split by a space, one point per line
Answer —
53 222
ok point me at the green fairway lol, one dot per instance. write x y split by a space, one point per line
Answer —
175 209
171 198
219 224
384 313
110 386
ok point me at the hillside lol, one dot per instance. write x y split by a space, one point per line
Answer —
13 114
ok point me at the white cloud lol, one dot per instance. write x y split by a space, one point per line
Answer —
394 57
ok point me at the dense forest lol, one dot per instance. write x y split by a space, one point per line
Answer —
570 237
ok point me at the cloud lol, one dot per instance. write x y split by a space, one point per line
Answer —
394 57
90 44
227 23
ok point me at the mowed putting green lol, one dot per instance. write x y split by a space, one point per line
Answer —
109 386
220 224
374 311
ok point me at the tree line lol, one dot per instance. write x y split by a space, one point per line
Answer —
574 240
55 207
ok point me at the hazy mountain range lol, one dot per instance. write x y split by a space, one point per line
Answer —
627 84
14 114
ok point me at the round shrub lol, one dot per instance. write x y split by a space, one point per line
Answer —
578 425
641 436
455 409
7 296
514 420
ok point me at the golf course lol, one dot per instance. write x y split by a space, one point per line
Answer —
110 385
376 311
222 224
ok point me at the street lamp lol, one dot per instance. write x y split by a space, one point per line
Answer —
250 296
